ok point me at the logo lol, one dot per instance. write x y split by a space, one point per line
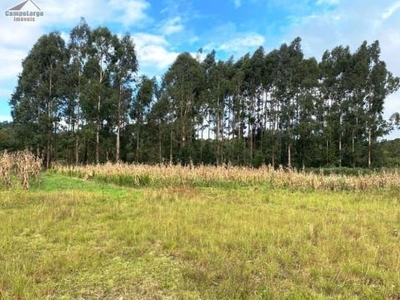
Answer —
26 11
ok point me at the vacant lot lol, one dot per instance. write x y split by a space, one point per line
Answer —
70 238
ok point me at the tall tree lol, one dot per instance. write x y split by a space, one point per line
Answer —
39 94
307 127
96 97
124 68
215 94
78 49
256 93
182 85
335 76
271 111
370 84
288 82
147 90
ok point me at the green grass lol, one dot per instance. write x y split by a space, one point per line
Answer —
68 238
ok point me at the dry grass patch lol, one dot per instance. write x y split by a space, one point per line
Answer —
229 176
18 169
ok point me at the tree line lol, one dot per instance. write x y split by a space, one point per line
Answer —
82 101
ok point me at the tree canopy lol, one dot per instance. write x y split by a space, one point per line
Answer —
83 101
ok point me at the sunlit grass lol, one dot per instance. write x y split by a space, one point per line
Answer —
72 239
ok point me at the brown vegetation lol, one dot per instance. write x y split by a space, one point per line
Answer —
17 169
137 175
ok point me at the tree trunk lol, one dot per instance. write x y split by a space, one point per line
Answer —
118 142
170 149
98 132
76 150
137 145
160 146
369 148
49 129
340 151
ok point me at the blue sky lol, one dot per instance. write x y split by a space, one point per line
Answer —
163 29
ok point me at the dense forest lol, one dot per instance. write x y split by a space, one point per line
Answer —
82 101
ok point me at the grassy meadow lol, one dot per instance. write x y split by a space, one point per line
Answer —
87 234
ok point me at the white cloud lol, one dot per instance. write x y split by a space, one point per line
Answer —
11 63
5 118
238 44
156 55
16 39
126 12
65 36
141 39
152 51
245 41
389 12
230 40
68 13
237 3
15 34
130 11
171 26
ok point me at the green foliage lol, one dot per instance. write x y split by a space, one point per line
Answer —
276 108
390 153
39 95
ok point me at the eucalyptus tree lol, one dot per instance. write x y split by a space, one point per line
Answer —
287 84
237 105
272 106
97 94
140 108
209 66
383 83
355 116
78 47
217 90
39 95
371 84
307 128
182 87
335 79
159 128
123 69
211 101
256 96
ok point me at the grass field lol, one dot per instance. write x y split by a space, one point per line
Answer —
69 238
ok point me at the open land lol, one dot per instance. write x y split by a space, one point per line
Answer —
85 238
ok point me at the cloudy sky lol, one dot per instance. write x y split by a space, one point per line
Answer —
163 28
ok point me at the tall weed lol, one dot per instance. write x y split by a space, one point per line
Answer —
18 169
230 176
